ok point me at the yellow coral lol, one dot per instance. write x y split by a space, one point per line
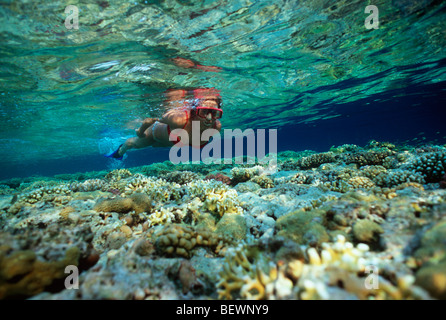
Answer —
361 182
342 262
241 277
218 198
263 181
161 216
158 189
118 174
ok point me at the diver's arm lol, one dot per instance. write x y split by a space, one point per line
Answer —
147 122
174 119
187 63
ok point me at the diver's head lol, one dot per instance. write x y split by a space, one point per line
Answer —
208 110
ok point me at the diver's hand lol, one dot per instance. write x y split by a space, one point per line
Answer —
184 63
208 68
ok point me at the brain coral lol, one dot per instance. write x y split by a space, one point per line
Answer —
180 240
138 202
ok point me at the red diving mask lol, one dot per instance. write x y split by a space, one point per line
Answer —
202 112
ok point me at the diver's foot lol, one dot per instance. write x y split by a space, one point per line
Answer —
115 154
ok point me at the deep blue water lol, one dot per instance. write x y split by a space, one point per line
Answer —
416 117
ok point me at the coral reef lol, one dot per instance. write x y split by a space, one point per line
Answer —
433 279
45 194
316 228
302 178
5 189
341 265
217 197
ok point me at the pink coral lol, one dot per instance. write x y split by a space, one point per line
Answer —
219 177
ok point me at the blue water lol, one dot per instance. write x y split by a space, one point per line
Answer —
309 69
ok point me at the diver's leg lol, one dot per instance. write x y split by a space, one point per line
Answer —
136 143
159 129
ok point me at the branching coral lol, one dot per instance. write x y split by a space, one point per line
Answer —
246 274
361 183
158 189
89 185
118 174
218 198
372 172
350 268
45 194
164 216
5 189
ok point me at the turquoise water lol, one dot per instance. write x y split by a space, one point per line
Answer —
359 183
288 65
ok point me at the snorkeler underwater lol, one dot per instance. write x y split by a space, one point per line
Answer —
223 150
